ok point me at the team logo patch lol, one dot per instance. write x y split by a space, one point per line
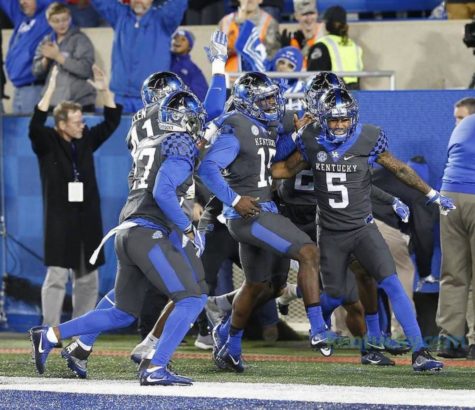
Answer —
322 156
157 235
335 154
210 228
254 130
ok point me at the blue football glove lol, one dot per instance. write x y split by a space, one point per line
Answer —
198 240
218 47
445 203
422 281
401 210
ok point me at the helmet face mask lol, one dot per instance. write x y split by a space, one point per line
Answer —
319 85
182 111
257 96
158 85
338 115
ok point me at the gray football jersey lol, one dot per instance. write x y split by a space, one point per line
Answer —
249 173
342 177
149 156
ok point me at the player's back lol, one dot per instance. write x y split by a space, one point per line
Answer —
342 177
249 174
149 157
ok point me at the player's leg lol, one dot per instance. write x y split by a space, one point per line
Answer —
373 253
166 266
281 236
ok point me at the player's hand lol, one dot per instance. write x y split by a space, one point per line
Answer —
445 203
247 207
196 238
218 47
302 122
422 281
401 210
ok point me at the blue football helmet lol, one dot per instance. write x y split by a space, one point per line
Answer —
337 103
319 85
256 95
157 85
182 111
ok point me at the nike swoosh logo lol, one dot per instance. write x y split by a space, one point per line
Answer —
346 158
374 361
40 347
236 362
151 379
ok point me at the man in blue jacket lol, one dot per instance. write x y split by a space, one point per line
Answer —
30 26
142 35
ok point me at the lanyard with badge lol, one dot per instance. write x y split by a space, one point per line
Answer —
75 188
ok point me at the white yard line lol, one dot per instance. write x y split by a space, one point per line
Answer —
293 392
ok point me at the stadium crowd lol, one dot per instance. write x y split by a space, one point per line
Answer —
204 194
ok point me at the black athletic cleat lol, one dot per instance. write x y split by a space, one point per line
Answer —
76 357
224 360
376 358
422 360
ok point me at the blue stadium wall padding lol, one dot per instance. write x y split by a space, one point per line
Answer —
416 122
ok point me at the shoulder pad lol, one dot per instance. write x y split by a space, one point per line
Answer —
178 145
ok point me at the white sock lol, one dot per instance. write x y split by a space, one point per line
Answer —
51 336
84 346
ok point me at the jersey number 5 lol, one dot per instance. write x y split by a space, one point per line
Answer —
343 190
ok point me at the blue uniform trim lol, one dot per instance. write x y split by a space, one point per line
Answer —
165 270
230 213
340 149
173 172
179 146
223 152
269 237
380 146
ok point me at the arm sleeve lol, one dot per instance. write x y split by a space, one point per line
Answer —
215 97
172 173
199 84
81 61
12 9
102 131
171 13
380 195
319 58
110 10
285 146
38 133
222 153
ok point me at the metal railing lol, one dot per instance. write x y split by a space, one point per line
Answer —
305 74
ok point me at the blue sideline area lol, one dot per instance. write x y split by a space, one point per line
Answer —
416 122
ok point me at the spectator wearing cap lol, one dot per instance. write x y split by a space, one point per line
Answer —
336 51
73 53
30 26
288 60
310 29
266 25
192 76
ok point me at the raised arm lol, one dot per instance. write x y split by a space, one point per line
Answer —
43 105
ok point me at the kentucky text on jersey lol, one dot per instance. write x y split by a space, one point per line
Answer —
264 142
336 167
